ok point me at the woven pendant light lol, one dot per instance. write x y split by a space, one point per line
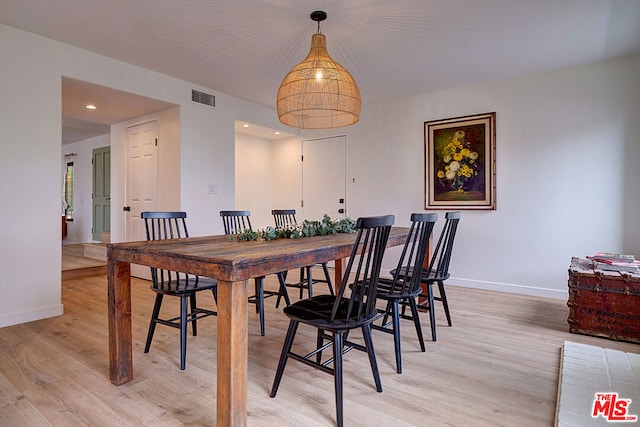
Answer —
318 93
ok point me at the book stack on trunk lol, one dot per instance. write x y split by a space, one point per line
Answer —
614 262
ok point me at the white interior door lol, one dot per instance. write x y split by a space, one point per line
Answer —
324 182
142 182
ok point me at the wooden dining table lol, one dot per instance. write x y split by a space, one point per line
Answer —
232 263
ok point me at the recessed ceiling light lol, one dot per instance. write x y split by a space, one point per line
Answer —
277 133
245 125
90 107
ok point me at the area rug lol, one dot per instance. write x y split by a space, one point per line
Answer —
597 387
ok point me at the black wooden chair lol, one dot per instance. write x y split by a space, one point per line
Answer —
237 222
287 218
404 287
172 225
351 308
438 271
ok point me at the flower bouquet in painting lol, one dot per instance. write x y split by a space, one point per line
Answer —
458 165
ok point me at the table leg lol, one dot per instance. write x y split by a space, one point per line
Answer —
337 273
120 338
232 341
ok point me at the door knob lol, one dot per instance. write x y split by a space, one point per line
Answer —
127 209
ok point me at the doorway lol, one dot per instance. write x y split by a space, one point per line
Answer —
324 182
83 126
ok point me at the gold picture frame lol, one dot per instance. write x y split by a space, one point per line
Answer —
460 162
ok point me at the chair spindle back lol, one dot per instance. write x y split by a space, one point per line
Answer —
284 217
236 221
406 279
439 266
363 268
163 226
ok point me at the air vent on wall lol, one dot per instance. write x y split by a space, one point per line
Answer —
203 98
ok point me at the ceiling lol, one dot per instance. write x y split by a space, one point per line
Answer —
113 106
392 48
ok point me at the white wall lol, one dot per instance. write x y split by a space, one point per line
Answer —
169 159
567 175
268 176
286 174
30 182
79 231
253 179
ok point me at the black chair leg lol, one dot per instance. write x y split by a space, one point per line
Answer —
327 277
432 312
194 327
309 282
302 279
366 334
337 376
395 317
387 310
286 348
183 331
319 344
416 322
260 302
152 325
445 304
283 290
256 292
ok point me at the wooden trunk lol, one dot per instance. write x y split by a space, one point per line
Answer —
603 303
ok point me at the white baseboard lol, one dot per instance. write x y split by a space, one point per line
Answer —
503 287
30 316
510 288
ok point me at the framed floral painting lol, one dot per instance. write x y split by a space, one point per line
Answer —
460 162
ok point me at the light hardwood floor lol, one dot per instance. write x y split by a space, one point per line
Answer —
76 265
497 366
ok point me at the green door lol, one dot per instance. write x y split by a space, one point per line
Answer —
101 192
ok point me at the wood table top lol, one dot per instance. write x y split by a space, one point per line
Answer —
232 260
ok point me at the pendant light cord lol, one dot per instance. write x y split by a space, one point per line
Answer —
318 16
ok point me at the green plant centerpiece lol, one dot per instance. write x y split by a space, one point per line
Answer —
305 229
